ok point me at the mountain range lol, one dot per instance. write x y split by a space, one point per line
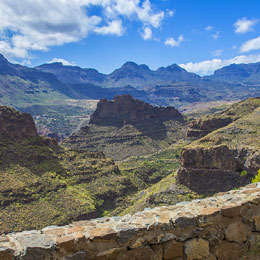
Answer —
60 97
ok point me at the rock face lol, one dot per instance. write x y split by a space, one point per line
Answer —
226 158
16 125
127 127
125 109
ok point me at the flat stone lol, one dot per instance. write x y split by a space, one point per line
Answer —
65 243
104 233
196 249
228 251
236 232
55 232
172 250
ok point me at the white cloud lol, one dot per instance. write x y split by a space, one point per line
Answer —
114 28
174 43
147 33
209 28
37 25
216 35
217 53
208 67
244 25
250 45
63 61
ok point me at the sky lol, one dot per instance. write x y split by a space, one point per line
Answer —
199 35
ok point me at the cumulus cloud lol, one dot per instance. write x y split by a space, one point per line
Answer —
147 33
174 43
37 25
63 61
244 25
208 67
250 45
114 28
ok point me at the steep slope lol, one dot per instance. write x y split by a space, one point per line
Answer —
155 177
207 124
127 127
42 183
226 158
238 73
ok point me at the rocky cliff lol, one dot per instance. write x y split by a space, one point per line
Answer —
127 127
16 125
224 159
126 110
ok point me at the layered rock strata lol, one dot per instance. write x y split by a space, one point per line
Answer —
224 159
127 127
125 109
221 227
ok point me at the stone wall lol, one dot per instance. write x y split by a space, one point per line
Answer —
217 228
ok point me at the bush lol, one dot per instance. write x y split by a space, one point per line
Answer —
257 177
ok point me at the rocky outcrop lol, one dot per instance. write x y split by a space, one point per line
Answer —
200 127
224 159
127 127
222 227
125 109
15 125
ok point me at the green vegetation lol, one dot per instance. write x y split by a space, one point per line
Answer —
44 184
244 132
243 174
126 141
146 170
257 177
154 178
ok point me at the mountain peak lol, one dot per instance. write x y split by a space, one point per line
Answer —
3 60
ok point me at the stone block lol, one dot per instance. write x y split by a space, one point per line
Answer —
236 232
196 249
172 250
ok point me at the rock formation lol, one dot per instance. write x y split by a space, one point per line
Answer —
126 110
226 158
127 127
15 125
207 124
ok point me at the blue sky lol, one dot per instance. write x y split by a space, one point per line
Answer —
201 35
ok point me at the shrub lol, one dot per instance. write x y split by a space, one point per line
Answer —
257 177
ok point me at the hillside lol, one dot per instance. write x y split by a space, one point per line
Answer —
62 97
230 153
248 74
127 127
207 124
42 183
